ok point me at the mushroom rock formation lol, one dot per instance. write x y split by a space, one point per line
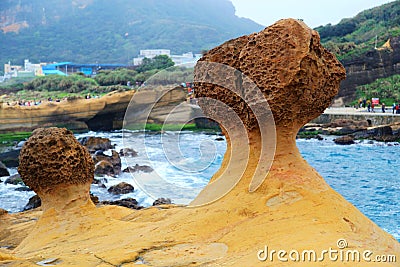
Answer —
261 88
57 167
286 69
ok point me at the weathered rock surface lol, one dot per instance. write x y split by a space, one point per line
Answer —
374 64
3 212
128 152
344 140
14 179
99 182
10 158
357 129
290 81
130 203
33 203
290 208
121 188
139 168
56 154
53 161
105 113
94 144
107 165
3 170
162 201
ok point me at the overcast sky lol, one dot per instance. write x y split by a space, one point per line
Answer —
313 12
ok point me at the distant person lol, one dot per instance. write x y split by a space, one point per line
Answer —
373 107
369 107
383 107
393 108
398 109
364 103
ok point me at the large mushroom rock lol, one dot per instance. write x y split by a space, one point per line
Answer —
280 79
285 69
288 207
57 168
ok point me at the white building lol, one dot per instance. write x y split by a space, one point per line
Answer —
186 58
150 53
35 68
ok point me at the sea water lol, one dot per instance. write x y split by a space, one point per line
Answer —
367 173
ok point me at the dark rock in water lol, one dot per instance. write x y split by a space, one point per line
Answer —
96 143
23 189
10 158
94 198
384 130
348 123
3 212
33 203
162 201
107 165
344 140
121 188
100 182
128 152
14 179
138 168
104 167
3 170
319 137
126 202
219 139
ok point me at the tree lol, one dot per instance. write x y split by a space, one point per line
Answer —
158 62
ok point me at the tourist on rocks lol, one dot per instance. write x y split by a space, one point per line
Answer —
383 107
393 107
373 107
369 107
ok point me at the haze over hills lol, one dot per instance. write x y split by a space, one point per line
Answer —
113 31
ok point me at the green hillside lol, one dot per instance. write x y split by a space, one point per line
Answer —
353 37
113 31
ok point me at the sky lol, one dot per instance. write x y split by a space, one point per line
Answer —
314 12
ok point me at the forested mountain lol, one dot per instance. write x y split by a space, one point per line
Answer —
353 37
368 45
113 31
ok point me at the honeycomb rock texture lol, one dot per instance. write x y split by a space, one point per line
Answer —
296 75
51 157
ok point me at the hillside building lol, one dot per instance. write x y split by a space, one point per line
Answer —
186 58
63 68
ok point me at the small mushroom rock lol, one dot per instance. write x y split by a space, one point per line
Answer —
57 167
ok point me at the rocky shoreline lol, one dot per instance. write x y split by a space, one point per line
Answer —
108 161
105 165
264 196
348 131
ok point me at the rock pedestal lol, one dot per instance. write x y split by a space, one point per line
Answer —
57 168
261 88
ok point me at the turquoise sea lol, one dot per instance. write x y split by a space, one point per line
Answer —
367 173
